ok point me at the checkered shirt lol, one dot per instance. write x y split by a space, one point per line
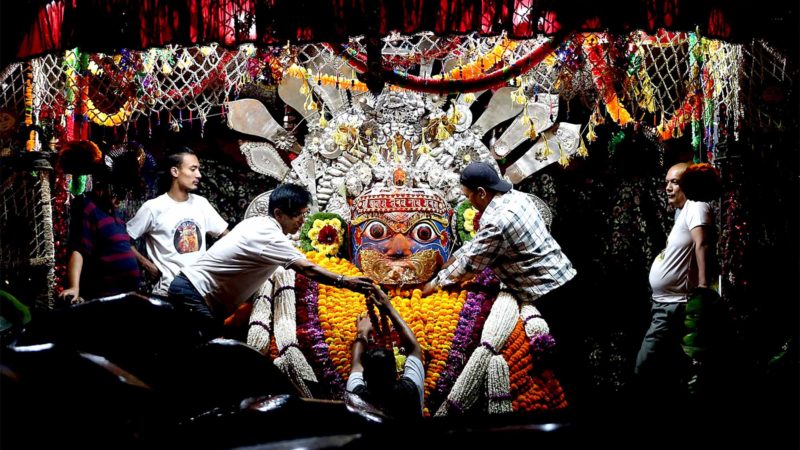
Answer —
514 242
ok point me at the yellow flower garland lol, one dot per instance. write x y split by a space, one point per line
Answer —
433 320
469 221
110 120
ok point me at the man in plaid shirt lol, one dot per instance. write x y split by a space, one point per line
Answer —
512 240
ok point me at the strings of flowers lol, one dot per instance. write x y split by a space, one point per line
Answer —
311 337
331 316
530 391
434 320
473 315
465 221
324 233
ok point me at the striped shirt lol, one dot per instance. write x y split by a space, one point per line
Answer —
514 242
109 265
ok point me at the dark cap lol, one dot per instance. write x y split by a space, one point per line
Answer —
481 174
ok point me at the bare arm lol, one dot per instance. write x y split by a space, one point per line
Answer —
74 268
703 255
403 330
363 328
325 276
149 267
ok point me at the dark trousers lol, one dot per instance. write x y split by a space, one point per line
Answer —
188 301
661 366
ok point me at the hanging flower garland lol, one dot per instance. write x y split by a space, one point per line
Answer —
110 120
33 137
473 315
311 336
324 233
465 83
465 221
688 111
350 84
604 80
533 388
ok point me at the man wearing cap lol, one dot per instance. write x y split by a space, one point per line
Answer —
514 243
512 240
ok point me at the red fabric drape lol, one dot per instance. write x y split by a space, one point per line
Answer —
108 25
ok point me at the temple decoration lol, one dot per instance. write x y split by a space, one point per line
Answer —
386 169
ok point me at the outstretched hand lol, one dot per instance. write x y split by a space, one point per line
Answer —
360 284
72 295
429 288
379 297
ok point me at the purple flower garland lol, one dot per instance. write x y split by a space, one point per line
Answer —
311 337
470 324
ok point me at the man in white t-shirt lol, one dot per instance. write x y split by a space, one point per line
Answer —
239 263
687 263
175 223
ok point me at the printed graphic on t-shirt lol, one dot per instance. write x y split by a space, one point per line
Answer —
187 237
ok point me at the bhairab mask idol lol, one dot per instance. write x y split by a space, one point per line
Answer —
400 235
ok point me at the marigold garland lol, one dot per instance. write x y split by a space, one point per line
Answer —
447 326
530 392
110 120
433 320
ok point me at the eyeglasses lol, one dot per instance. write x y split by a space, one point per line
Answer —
304 214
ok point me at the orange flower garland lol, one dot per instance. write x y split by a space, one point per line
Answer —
30 145
529 392
433 320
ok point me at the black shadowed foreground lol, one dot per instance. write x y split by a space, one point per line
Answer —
129 372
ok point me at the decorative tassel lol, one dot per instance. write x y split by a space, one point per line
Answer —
546 150
583 152
441 132
563 158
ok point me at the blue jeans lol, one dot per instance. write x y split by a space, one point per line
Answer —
188 300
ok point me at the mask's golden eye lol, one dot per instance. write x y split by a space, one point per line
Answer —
423 233
376 231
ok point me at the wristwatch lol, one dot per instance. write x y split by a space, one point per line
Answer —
339 281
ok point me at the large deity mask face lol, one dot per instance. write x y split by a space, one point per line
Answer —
400 235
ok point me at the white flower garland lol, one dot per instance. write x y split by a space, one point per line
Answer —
496 330
535 325
498 386
291 362
258 333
